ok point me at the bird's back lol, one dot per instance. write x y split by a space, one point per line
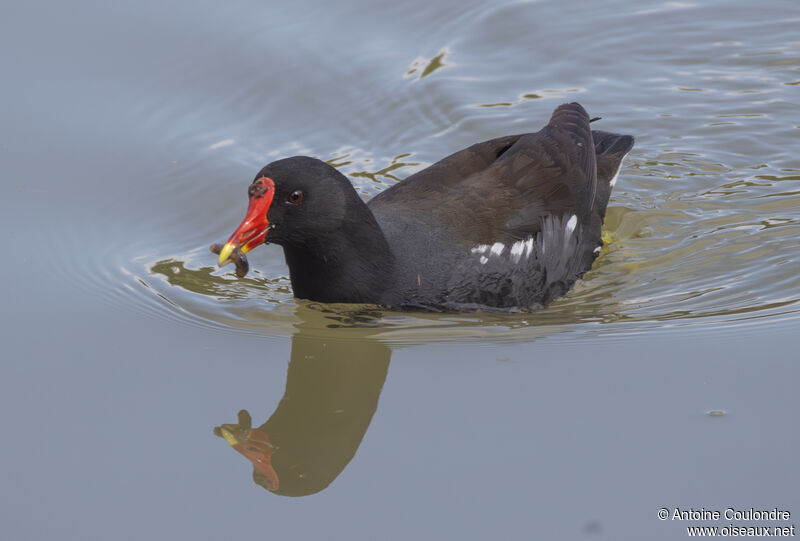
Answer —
512 221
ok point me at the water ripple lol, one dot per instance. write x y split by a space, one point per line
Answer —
703 223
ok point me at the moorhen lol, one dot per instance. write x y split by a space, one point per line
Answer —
511 222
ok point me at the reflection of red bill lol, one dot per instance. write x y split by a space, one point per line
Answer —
257 448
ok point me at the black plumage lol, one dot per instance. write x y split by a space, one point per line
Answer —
510 222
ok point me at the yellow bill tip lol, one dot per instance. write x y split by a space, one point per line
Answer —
225 254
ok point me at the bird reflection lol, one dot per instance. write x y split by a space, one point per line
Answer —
332 391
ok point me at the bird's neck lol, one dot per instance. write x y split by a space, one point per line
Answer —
352 265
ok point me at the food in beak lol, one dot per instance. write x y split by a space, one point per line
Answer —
238 258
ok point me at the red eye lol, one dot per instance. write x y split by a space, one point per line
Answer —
295 198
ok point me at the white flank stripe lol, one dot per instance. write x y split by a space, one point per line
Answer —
571 223
528 247
616 175
517 249
497 248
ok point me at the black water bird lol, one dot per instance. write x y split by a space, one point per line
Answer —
511 222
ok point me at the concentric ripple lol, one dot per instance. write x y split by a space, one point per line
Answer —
718 256
703 222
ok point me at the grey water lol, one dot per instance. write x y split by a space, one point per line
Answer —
667 378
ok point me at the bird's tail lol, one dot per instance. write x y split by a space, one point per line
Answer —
610 149
571 119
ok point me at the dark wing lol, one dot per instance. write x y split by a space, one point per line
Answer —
499 190
446 174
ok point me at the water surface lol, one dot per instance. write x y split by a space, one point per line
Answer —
130 135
